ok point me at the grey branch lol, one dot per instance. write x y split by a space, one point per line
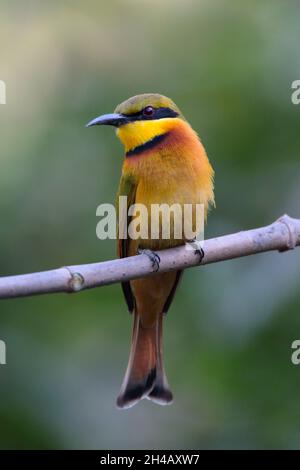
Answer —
282 235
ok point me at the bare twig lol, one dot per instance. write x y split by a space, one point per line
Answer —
282 235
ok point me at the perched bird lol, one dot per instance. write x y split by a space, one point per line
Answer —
165 162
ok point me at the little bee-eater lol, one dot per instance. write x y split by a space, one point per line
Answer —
165 163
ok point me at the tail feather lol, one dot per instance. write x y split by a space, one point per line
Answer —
160 393
145 376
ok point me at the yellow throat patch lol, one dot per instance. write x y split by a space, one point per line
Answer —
138 133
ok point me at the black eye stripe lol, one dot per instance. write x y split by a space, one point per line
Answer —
159 113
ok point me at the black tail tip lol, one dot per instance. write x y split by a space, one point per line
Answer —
161 395
133 391
131 396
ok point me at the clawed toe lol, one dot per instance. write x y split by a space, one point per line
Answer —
198 250
154 258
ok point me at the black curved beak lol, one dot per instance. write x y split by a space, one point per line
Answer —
109 120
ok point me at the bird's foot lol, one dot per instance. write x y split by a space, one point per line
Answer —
197 248
154 258
200 253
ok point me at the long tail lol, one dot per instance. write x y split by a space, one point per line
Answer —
145 376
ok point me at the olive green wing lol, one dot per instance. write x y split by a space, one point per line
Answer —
127 189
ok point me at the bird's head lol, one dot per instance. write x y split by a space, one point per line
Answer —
141 118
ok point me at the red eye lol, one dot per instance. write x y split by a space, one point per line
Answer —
148 111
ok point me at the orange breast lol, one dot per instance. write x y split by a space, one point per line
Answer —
176 171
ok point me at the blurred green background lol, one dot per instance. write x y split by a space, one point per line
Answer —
229 66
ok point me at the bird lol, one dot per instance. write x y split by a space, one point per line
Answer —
165 162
